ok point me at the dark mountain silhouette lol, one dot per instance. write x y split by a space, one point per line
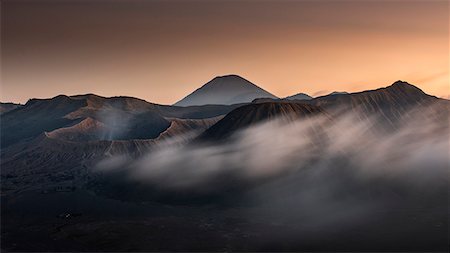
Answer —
255 113
400 94
296 97
225 90
64 135
91 117
6 107
265 100
389 104
299 96
37 116
338 93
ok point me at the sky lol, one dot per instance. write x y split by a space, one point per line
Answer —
162 50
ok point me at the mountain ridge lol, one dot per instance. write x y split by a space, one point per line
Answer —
389 104
62 111
299 96
227 90
139 118
254 113
9 106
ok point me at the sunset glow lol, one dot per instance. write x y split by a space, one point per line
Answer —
162 50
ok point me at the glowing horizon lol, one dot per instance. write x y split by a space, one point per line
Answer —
161 51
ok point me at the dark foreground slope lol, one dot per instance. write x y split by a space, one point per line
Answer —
252 114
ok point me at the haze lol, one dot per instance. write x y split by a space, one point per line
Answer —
162 50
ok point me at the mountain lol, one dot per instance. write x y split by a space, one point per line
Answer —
6 107
93 118
299 96
390 103
37 116
59 140
225 90
252 114
338 93
399 92
296 97
45 134
65 172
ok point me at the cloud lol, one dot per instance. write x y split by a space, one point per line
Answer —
275 147
311 171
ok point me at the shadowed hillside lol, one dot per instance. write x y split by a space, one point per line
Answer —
248 115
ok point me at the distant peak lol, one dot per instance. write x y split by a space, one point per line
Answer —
405 88
338 93
228 80
225 90
86 96
404 85
400 82
230 76
299 96
61 96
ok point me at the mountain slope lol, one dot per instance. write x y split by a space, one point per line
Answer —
253 114
67 135
391 102
337 93
37 116
6 107
90 117
184 129
389 106
225 90
299 96
400 94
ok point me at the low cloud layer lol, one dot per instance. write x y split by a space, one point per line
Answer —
419 146
312 172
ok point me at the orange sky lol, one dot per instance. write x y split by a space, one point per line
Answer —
162 50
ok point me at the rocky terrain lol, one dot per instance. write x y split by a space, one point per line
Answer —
347 172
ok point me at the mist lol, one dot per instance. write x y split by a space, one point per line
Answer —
418 146
318 173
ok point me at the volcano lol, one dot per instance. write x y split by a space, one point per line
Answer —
225 90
